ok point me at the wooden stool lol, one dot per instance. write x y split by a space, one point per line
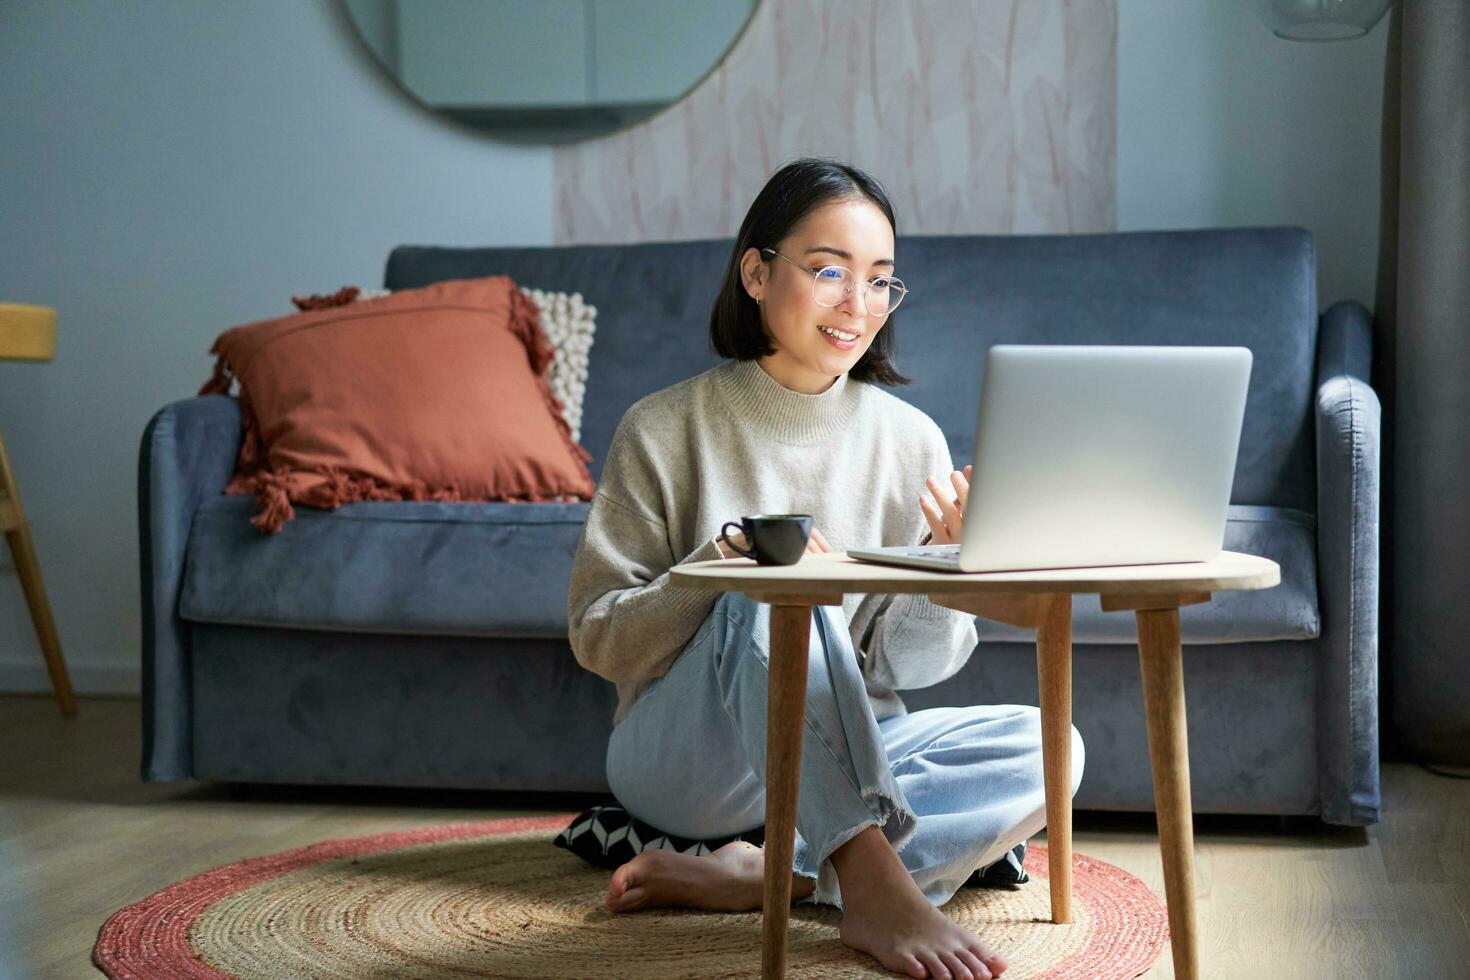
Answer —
28 333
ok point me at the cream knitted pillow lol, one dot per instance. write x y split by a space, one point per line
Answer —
569 324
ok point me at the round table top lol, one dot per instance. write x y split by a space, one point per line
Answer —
835 572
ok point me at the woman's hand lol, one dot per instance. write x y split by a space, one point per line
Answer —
815 545
946 515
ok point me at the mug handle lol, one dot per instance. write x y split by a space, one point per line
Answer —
725 533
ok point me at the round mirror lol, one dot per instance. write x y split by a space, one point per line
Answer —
549 71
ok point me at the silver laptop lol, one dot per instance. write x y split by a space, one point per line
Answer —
1088 456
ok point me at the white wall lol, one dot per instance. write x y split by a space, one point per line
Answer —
1222 123
168 169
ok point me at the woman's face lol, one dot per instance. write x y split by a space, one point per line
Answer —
815 344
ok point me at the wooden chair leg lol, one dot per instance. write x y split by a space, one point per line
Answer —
18 535
1168 745
1054 679
791 627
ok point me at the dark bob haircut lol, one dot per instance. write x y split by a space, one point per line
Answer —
791 194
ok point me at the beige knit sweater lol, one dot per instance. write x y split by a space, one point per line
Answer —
733 441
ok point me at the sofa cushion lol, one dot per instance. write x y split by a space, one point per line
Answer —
502 570
469 569
1286 612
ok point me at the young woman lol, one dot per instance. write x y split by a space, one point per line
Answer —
896 809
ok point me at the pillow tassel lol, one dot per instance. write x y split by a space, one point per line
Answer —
275 504
251 457
525 324
219 382
340 489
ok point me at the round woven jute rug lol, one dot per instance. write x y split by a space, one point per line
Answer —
496 899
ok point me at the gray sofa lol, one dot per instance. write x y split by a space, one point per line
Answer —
424 644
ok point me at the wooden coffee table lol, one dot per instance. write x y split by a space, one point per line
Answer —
1036 600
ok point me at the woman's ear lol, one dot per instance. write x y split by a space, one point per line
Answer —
753 274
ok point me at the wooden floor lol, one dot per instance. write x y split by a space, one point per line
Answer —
80 836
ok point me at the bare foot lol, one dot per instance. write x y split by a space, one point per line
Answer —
885 915
729 879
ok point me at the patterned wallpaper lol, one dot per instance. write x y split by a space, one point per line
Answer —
979 116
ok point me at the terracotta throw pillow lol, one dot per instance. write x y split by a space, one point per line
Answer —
567 321
427 394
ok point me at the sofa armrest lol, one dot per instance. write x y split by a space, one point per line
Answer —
1345 343
1347 429
187 455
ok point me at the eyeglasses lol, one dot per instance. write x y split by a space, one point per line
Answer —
832 284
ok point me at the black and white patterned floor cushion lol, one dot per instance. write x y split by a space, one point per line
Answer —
608 836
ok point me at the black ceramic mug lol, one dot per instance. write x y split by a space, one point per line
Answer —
774 539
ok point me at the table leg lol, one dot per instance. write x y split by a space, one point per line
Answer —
785 719
1163 698
1054 681
1051 617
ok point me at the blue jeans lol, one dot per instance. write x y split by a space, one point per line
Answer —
953 789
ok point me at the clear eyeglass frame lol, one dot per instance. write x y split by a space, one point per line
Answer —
894 284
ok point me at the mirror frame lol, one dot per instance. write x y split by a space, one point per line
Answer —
529 137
